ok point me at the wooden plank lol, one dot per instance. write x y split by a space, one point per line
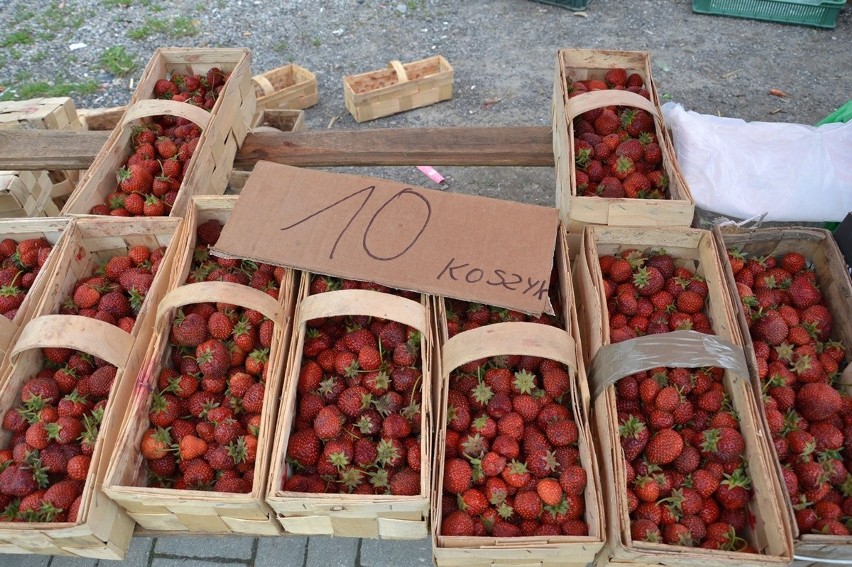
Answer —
487 146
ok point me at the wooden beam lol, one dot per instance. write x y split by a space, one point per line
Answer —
528 146
491 146
49 149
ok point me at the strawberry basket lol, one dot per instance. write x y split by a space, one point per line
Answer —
710 436
203 168
587 96
38 231
798 251
84 367
321 481
218 488
563 492
289 87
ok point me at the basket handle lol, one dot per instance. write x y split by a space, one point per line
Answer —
510 338
86 334
215 292
158 107
264 84
577 105
401 75
363 302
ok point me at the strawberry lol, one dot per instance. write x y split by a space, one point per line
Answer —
457 523
818 401
803 293
135 178
406 483
664 447
197 473
457 475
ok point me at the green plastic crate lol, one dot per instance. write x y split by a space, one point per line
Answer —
819 13
570 4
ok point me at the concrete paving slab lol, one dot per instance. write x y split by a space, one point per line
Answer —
212 547
63 561
394 552
138 554
181 562
281 552
25 560
329 551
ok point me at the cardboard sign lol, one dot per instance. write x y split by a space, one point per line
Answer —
475 248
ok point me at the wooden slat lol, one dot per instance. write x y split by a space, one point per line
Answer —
487 146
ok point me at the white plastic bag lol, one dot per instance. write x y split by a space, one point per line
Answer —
790 172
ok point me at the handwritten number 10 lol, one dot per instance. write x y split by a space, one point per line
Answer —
375 220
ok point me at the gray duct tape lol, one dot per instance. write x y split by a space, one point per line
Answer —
689 349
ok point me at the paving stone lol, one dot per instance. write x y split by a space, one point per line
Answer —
181 562
25 560
212 547
393 552
280 551
64 561
138 553
329 551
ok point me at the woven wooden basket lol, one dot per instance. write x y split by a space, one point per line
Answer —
696 250
24 193
56 113
351 515
102 530
398 88
526 339
578 211
196 511
288 87
53 231
223 129
819 247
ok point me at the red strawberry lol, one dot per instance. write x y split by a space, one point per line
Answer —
664 447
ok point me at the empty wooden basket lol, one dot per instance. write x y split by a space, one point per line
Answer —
398 88
290 86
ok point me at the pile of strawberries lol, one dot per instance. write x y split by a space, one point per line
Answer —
54 429
161 150
55 425
687 481
20 263
206 410
358 409
512 463
798 364
616 150
117 290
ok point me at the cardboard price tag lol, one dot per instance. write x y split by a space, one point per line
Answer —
474 248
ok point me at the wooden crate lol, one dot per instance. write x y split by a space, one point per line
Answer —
820 248
24 193
578 211
695 249
288 87
196 511
223 129
103 530
279 119
101 119
528 339
352 515
398 88
53 230
57 113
